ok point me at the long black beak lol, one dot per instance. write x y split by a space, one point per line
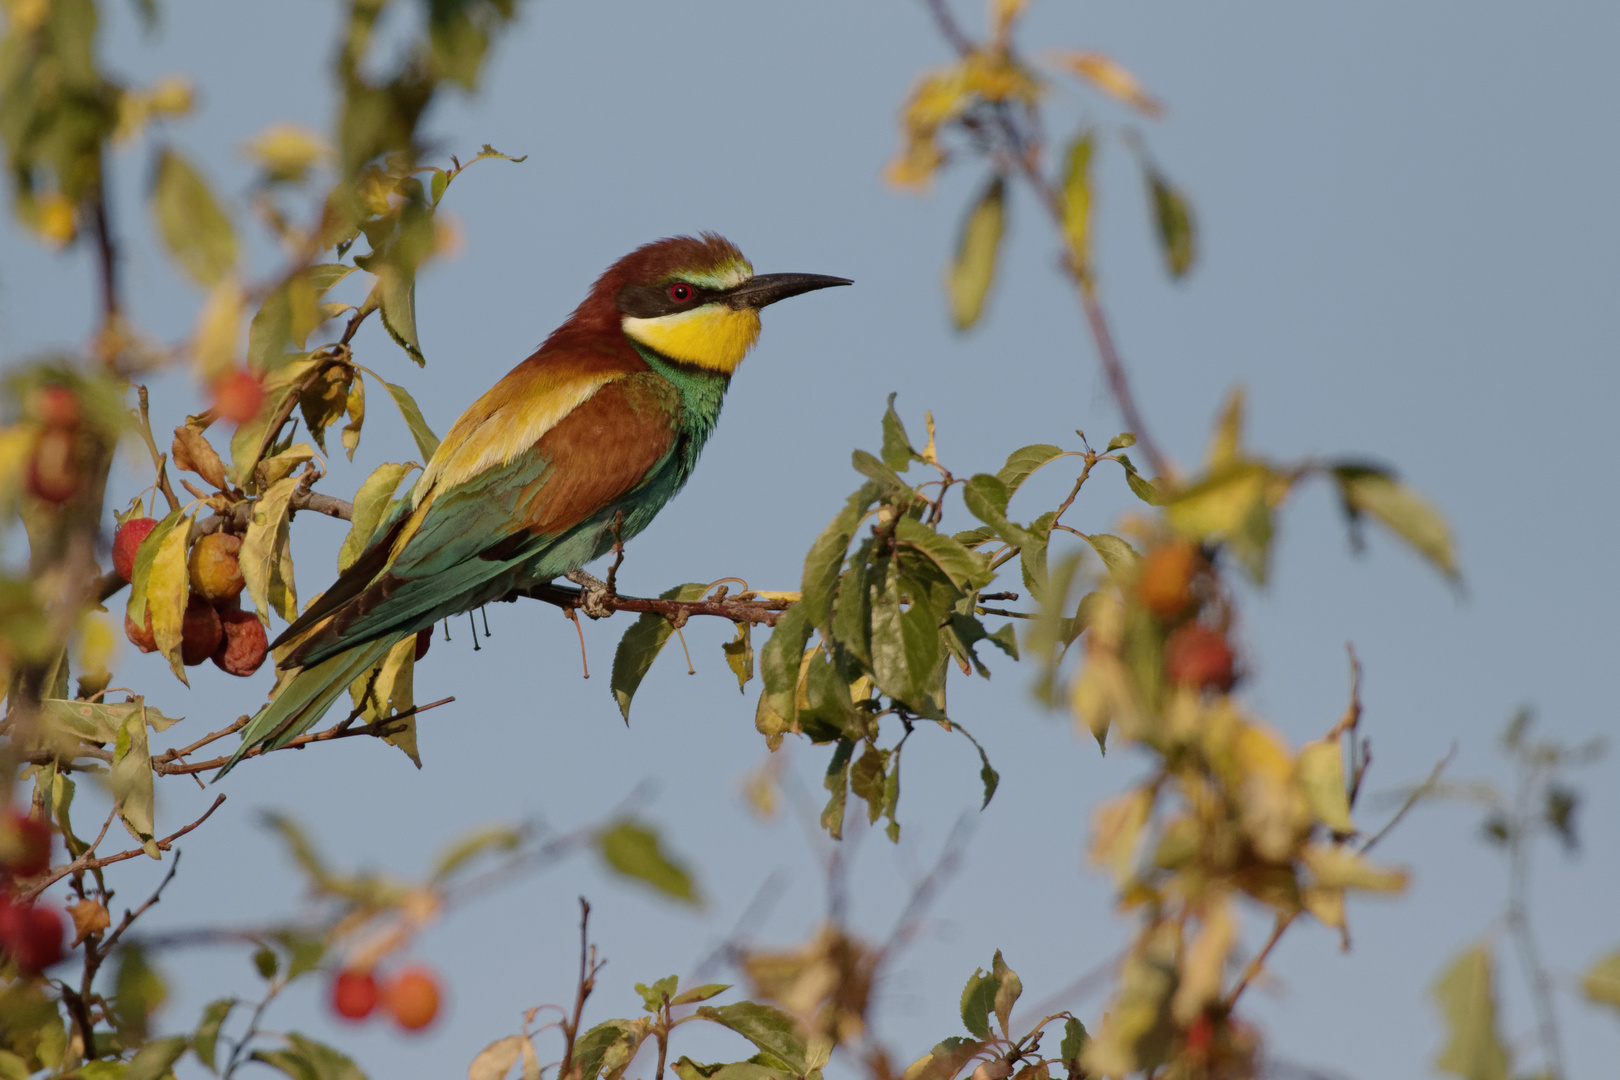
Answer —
764 289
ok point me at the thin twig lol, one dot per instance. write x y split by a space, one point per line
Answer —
1256 965
83 863
1412 798
588 967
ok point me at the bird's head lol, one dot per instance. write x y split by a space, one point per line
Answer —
696 299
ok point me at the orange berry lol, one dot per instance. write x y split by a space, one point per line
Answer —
412 998
244 643
127 543
214 569
354 994
200 632
1199 657
1165 583
239 396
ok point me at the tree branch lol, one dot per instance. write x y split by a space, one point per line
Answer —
737 609
83 863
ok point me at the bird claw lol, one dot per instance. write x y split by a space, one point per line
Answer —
594 594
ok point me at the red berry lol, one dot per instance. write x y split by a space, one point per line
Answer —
57 406
412 998
424 638
54 474
30 934
25 845
142 637
200 632
239 396
244 644
127 542
1199 657
354 994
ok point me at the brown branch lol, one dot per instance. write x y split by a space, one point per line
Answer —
82 863
159 461
588 967
736 609
1255 966
1119 383
378 728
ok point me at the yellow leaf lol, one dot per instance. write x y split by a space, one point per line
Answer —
168 587
1337 867
192 452
1602 981
1077 201
1324 903
272 469
88 917
171 95
287 151
56 219
1111 77
1321 777
260 545
1218 505
974 269
1227 438
218 331
1116 826
1474 1050
1205 961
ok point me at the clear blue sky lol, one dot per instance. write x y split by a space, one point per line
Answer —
1409 238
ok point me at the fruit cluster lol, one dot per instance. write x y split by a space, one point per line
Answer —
214 627
411 997
57 467
1174 584
30 933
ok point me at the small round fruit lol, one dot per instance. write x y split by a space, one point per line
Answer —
424 639
244 643
57 406
141 637
25 845
31 934
53 469
200 632
412 998
239 396
354 994
1199 657
215 572
1165 584
127 543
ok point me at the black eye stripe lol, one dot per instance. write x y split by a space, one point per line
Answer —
651 301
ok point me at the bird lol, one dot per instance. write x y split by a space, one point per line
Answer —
575 449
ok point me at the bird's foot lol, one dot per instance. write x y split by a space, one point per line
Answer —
594 595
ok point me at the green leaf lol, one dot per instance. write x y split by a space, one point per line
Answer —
837 782
474 844
1601 982
1174 219
1377 494
986 499
826 556
636 851
307 1059
866 779
206 1037
98 722
968 570
978 245
144 557
396 302
779 670
194 228
1009 987
154 1060
890 481
1074 1041
693 995
1119 557
740 655
370 506
641 645
1321 777
1143 488
978 998
1024 461
1119 442
897 452
1473 1049
1218 505
652 997
1077 199
773 1031
426 441
131 782
593 1046
264 961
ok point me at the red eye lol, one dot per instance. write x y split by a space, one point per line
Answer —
680 292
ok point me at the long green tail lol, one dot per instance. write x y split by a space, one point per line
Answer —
305 699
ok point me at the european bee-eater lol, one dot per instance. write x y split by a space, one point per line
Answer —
580 444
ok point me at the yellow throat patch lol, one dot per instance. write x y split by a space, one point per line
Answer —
713 336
